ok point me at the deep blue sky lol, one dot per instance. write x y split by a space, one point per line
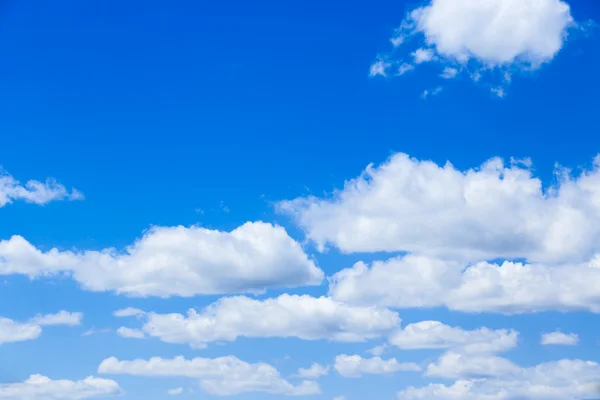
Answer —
156 110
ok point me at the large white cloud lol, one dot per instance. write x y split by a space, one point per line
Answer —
303 317
38 387
436 335
559 380
355 366
14 331
181 261
223 376
509 288
494 211
32 191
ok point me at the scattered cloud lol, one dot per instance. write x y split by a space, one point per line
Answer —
176 261
498 91
458 366
32 191
379 68
355 366
130 333
223 376
558 380
377 350
449 73
43 388
436 335
434 92
12 331
315 371
559 338
175 392
304 317
423 55
128 312
60 318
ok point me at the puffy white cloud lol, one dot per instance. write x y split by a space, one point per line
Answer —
355 366
180 261
223 376
303 317
435 335
491 34
12 331
494 211
313 372
379 67
458 366
32 191
175 392
39 387
130 333
60 318
567 339
560 380
509 288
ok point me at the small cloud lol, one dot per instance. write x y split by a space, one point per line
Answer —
175 392
130 333
426 93
423 55
498 91
449 73
379 67
60 318
559 338
93 331
128 312
377 350
404 68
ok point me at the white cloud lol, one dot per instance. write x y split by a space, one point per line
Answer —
559 338
498 91
130 333
60 318
494 211
404 68
509 288
457 366
38 387
223 376
435 335
506 34
339 398
355 366
560 380
303 317
33 191
315 371
128 312
12 331
434 92
423 55
180 261
377 350
175 392
449 73
379 67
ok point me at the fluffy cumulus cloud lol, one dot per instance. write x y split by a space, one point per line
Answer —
38 387
559 338
508 288
480 35
355 366
436 335
559 380
454 224
32 191
180 261
223 376
313 372
14 331
303 317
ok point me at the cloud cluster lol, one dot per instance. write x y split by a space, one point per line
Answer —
32 191
223 376
502 380
454 225
304 317
176 261
38 387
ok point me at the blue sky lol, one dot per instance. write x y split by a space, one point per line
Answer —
216 156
